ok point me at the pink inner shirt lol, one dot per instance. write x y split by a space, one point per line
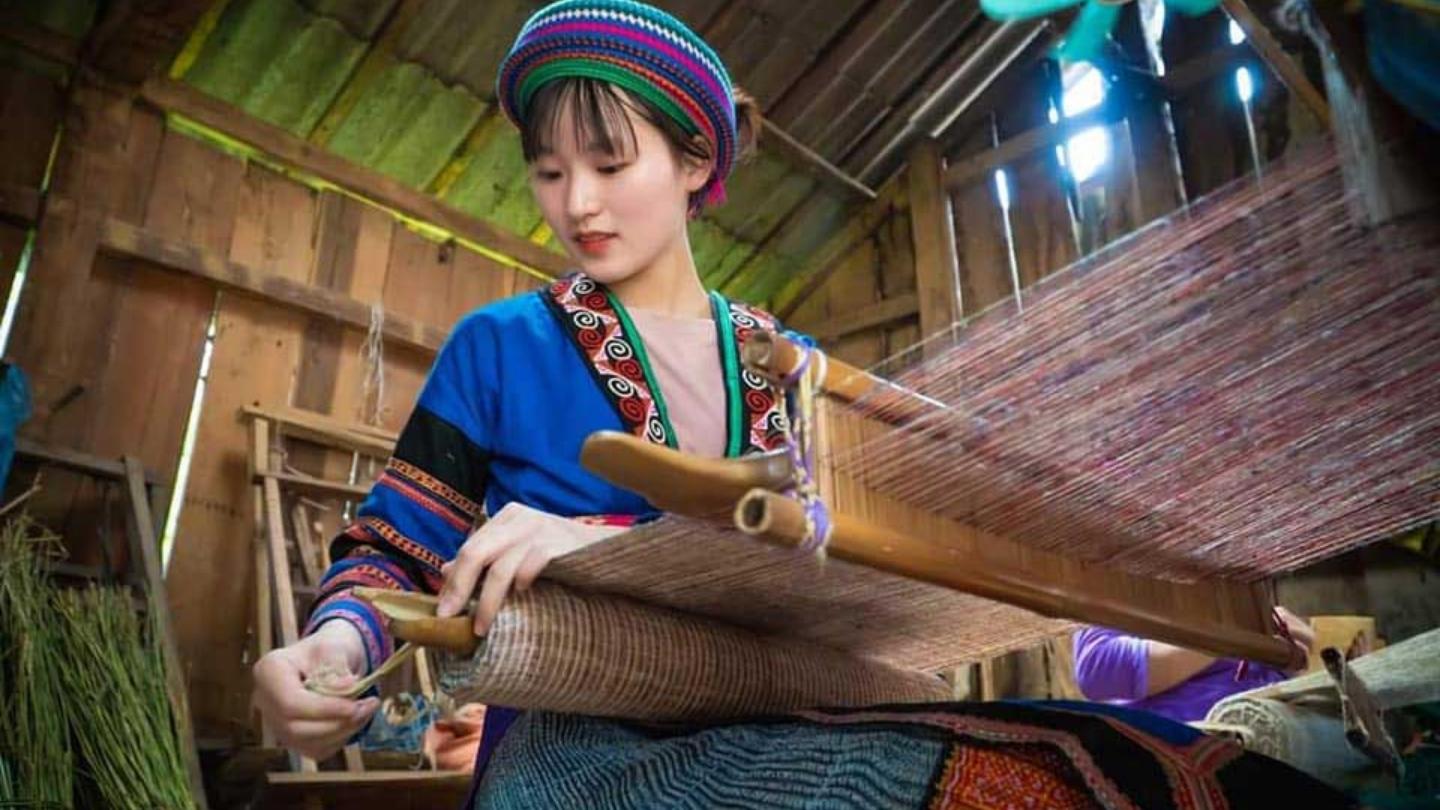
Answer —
685 358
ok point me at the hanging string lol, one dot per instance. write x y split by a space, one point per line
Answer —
372 392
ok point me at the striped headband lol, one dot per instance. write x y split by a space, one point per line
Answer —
634 46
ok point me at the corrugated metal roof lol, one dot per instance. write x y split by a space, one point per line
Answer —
406 87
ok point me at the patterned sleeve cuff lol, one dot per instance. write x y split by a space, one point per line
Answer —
364 618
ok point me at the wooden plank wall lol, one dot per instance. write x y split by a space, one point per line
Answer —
129 336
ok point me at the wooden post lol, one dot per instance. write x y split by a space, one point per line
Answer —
1383 172
143 544
937 273
271 516
264 601
983 242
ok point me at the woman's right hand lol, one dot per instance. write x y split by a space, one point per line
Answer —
312 724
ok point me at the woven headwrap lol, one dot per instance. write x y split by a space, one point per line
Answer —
634 46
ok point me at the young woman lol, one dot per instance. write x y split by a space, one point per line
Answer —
630 126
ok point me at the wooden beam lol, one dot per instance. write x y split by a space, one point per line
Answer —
832 254
38 40
879 313
318 486
1185 76
78 462
144 542
785 145
932 231
181 99
980 167
125 239
325 430
1176 83
19 203
1279 61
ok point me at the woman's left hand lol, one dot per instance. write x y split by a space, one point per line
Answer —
510 551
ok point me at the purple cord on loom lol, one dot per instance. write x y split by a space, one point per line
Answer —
817 514
790 380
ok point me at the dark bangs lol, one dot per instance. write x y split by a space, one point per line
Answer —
597 111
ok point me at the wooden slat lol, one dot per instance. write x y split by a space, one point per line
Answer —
319 486
327 430
264 602
19 204
256 352
980 167
880 313
280 576
176 97
140 243
146 547
305 544
982 243
782 143
77 461
937 273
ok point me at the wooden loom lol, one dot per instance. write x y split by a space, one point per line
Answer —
1302 329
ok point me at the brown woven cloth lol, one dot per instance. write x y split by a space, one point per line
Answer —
557 649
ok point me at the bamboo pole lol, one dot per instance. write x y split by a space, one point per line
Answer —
781 520
678 482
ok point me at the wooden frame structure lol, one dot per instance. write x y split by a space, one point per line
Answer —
276 590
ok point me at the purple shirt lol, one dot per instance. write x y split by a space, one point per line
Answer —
1111 667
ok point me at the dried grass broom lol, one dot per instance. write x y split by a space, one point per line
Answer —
119 710
36 762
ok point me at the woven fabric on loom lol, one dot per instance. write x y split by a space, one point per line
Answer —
1243 388
557 649
709 570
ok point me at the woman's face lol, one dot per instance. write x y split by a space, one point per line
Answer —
616 213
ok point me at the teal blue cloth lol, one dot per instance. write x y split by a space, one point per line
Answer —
606 764
14 410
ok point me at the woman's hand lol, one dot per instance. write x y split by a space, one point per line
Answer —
510 551
1301 635
308 723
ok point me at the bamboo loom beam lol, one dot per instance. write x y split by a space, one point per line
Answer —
678 482
781 520
776 357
